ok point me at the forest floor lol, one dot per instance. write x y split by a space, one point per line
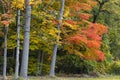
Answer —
109 77
77 78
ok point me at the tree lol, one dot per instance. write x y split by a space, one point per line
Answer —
5 53
17 7
60 17
83 37
5 20
25 55
96 13
18 45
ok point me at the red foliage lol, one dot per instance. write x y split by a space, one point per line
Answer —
93 44
77 39
100 55
100 29
91 36
85 16
71 21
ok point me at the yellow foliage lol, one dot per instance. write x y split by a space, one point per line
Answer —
79 53
18 4
35 2
66 13
74 27
53 32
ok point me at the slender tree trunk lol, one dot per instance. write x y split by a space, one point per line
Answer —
41 62
96 15
18 45
25 55
5 53
13 52
52 67
5 46
39 56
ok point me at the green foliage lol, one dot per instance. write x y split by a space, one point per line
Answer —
115 67
11 65
96 67
69 64
32 67
110 17
45 69
73 64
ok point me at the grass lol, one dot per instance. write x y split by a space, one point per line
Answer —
77 78
110 77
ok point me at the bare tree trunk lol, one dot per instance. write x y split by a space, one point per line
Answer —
5 45
52 67
38 66
96 14
25 55
18 45
41 62
5 53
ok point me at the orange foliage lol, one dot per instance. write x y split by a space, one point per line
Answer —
93 44
70 21
91 36
5 19
91 2
84 6
100 55
101 29
77 39
88 34
6 23
85 16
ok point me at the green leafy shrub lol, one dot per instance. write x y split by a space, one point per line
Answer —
45 69
10 65
32 67
74 64
115 68
69 64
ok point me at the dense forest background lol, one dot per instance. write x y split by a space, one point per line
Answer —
80 36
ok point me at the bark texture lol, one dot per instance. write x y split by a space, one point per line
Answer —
60 17
18 45
25 55
5 53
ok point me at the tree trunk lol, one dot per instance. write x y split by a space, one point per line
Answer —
39 57
5 46
18 45
25 55
41 62
52 67
5 53
96 15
